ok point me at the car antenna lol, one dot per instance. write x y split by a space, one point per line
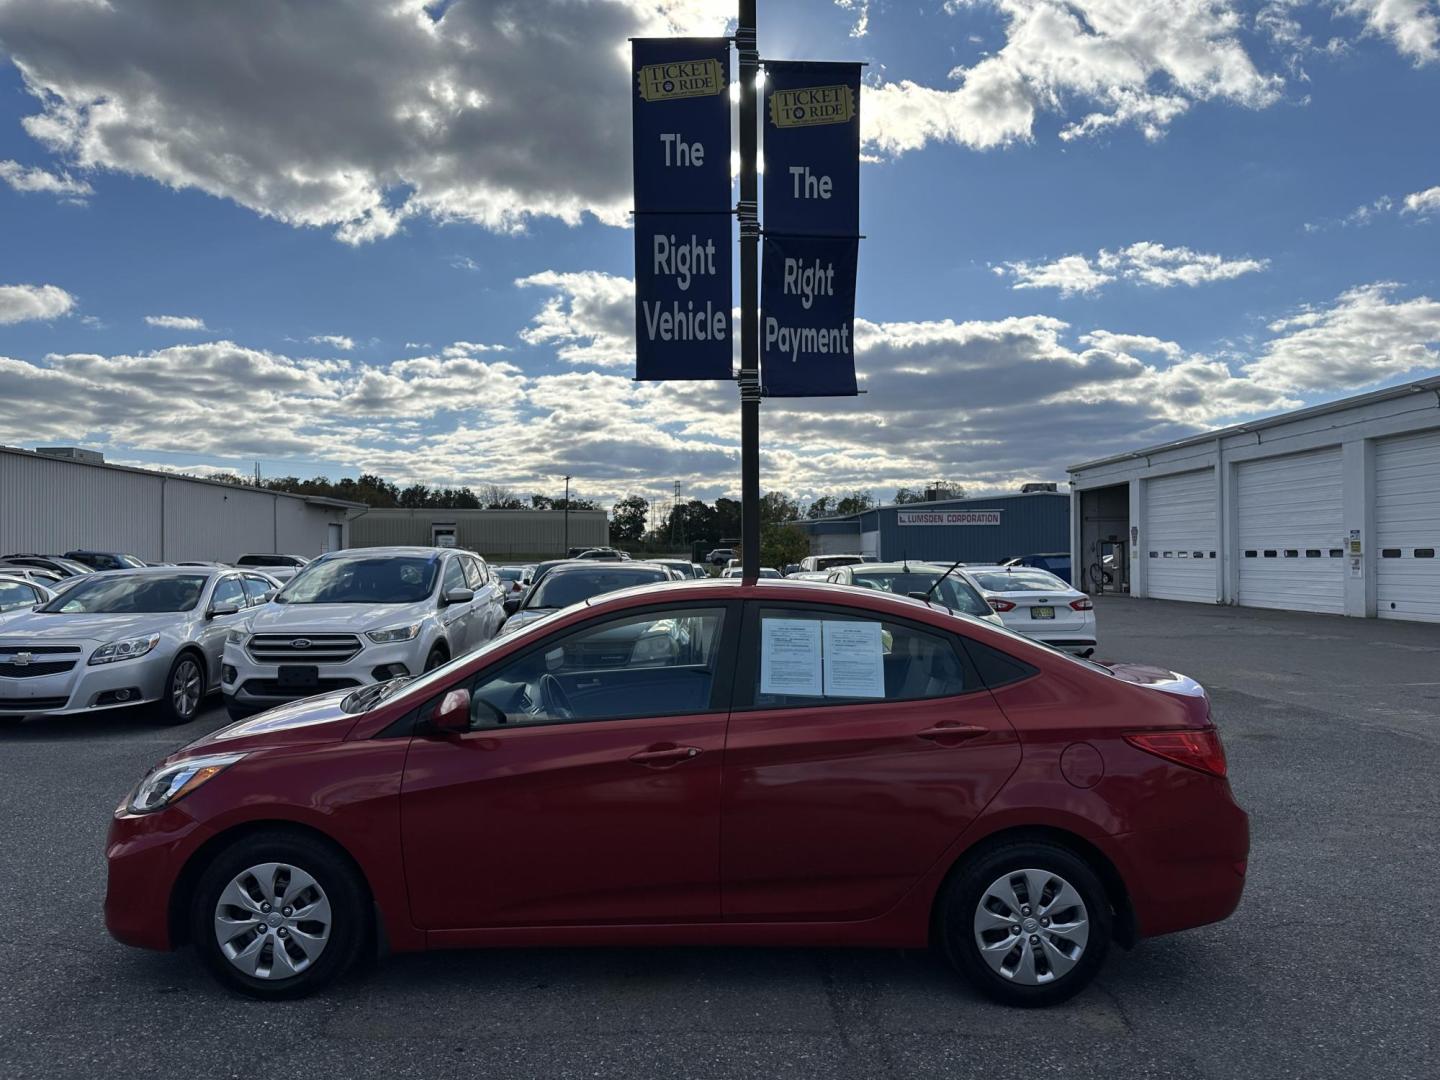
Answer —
931 591
904 562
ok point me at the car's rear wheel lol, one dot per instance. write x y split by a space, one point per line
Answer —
278 916
184 689
1027 923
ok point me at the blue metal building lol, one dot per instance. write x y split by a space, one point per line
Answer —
978 530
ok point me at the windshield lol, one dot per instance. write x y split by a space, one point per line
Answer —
1018 581
384 579
830 562
571 587
955 593
509 573
117 594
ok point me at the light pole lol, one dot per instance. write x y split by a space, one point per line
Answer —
567 515
748 213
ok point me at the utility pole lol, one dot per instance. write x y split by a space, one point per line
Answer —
567 515
748 211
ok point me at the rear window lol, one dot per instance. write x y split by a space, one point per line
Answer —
1001 581
954 592
572 587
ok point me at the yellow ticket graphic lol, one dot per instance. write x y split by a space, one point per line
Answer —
681 79
811 105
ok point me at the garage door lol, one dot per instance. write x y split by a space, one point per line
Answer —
1180 537
1407 527
1291 529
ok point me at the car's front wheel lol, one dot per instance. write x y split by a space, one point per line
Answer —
278 915
184 689
1027 923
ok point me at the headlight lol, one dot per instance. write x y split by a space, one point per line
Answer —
237 635
394 633
128 649
165 785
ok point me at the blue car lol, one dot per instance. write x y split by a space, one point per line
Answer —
1057 562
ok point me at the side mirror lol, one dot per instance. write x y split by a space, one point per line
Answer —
459 596
217 610
512 605
453 715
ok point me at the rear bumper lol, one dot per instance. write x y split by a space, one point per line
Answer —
1189 875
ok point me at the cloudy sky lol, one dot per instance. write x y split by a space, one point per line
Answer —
390 235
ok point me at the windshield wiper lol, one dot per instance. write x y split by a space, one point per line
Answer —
367 697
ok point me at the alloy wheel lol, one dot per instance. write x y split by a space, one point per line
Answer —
272 921
1031 926
185 688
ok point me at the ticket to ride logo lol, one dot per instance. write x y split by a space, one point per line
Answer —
681 79
812 105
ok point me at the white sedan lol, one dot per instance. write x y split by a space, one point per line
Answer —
1038 604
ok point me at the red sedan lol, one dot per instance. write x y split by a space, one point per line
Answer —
715 763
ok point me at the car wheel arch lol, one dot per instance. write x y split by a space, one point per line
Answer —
183 892
1125 931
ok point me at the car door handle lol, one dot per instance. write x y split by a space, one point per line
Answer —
660 757
953 732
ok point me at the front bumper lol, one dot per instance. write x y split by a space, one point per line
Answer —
248 682
144 856
87 689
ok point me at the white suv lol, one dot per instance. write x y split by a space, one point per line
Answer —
361 616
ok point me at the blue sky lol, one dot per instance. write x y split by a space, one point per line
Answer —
390 237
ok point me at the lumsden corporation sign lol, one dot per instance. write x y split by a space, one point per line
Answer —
947 517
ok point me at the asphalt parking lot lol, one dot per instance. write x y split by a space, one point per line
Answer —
1328 968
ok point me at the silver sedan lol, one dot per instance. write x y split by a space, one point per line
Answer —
127 637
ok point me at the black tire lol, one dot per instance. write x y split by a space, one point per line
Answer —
167 711
347 895
437 656
961 900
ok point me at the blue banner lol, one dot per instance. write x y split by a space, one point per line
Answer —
811 121
683 296
681 124
807 316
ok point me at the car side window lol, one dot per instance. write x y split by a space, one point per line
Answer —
660 663
16 594
809 657
229 592
257 590
454 575
474 573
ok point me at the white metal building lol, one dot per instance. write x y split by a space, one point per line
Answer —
1334 508
496 534
51 505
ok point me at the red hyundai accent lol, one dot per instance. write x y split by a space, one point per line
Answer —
706 763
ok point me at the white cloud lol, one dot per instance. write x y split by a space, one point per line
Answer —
861 10
335 341
590 319
1423 202
1413 25
1128 62
35 178
22 303
177 322
1145 262
354 116
1364 338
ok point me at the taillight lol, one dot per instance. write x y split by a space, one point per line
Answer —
1194 748
998 604
1083 604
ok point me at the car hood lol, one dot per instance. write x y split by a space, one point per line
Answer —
352 618
39 626
317 719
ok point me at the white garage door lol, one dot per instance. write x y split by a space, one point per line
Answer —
1407 527
1181 537
1291 528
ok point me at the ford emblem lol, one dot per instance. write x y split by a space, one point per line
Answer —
300 643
